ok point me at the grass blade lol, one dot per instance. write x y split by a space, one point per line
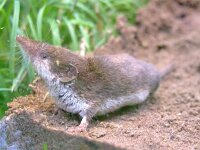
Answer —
55 32
85 35
39 22
4 89
12 37
16 82
87 10
75 44
33 31
2 4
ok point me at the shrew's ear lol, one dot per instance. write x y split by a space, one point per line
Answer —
69 74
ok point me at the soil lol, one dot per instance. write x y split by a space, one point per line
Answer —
166 32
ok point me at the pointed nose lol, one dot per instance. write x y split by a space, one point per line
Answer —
30 46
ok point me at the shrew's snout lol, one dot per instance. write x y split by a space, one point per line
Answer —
30 46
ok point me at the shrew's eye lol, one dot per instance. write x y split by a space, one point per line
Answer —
44 56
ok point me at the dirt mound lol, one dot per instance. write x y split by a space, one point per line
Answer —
167 32
160 21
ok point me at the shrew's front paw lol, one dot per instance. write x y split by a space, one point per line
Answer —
83 127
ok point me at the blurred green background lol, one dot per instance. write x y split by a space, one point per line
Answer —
59 22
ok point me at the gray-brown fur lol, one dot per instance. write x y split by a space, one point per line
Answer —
91 86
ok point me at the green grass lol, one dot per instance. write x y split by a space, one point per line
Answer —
45 147
63 22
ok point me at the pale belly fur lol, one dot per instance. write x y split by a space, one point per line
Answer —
128 100
80 106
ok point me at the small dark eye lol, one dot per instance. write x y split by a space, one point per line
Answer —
44 56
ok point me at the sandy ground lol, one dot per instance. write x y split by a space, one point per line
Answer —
166 32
